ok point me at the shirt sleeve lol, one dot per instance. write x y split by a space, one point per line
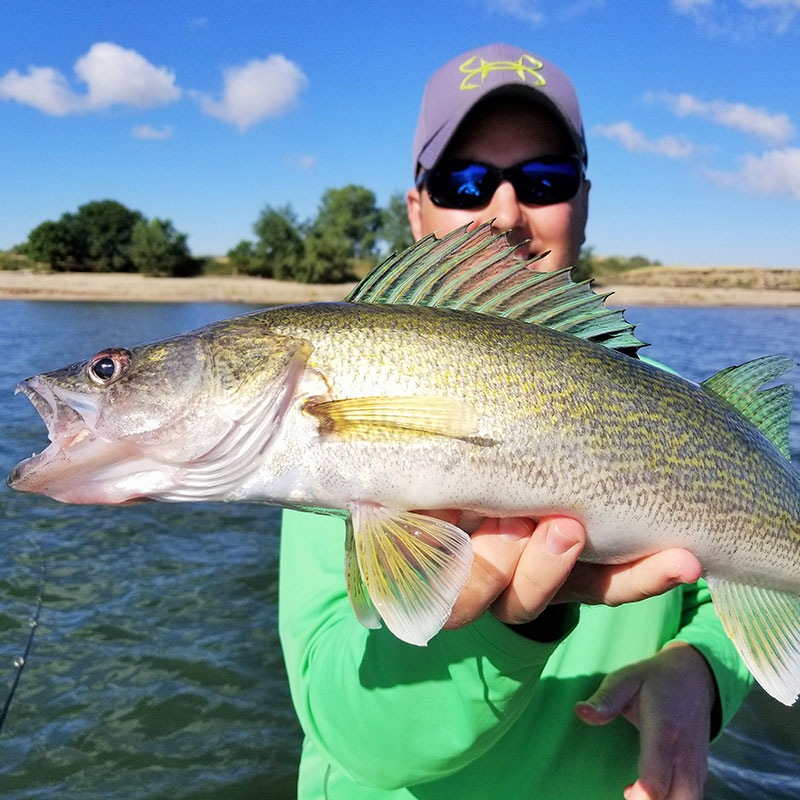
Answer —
350 685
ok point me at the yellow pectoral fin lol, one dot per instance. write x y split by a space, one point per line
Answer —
414 568
366 417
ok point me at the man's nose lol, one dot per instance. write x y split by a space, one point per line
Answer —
505 209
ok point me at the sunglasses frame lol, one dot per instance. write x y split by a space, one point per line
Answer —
497 175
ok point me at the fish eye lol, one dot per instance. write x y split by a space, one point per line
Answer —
108 365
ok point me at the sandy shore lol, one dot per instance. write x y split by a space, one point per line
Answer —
20 285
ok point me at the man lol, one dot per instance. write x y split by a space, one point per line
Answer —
488 708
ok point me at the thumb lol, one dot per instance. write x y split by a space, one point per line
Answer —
617 694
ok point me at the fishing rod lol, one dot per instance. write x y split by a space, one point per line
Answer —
21 661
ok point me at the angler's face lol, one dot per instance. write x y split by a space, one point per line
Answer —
503 134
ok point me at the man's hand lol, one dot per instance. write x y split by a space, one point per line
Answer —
522 566
669 698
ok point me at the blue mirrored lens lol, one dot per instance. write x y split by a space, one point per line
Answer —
544 181
468 183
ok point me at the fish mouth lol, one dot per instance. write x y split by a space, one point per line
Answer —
67 430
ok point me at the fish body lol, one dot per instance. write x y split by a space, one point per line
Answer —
659 463
372 409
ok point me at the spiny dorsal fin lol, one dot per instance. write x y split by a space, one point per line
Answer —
477 271
768 409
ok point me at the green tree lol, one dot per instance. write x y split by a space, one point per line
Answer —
61 245
279 249
107 227
585 268
242 256
395 228
351 213
328 257
156 248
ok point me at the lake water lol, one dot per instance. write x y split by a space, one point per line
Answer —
156 669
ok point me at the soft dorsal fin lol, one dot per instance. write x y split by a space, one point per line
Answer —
768 409
477 271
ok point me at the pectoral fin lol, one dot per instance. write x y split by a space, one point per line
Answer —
764 624
382 416
414 567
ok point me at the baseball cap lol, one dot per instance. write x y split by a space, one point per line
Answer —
454 90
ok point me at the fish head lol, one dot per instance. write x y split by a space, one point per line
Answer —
143 423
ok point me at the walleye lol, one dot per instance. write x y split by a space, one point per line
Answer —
453 376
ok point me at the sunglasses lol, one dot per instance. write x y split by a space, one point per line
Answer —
470 184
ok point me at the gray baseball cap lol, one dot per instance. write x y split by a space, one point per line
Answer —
454 90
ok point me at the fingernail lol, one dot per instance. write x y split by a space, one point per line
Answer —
558 542
582 708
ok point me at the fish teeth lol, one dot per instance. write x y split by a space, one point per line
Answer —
84 433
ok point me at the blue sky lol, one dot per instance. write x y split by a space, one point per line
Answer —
203 112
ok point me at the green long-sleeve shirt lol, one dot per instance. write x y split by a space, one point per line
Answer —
481 711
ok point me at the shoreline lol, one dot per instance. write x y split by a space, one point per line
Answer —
122 287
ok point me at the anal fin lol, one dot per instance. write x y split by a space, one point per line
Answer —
764 624
413 566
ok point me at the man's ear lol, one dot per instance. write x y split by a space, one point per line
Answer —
414 206
587 185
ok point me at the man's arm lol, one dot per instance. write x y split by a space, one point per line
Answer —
350 685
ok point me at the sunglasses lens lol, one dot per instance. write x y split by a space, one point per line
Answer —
540 182
545 182
461 185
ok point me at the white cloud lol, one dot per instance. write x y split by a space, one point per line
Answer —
740 19
783 5
303 161
534 13
149 132
776 173
690 6
113 76
522 10
259 89
773 128
43 88
633 140
579 8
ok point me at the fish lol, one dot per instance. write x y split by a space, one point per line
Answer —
453 376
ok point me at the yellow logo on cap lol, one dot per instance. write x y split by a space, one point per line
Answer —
486 67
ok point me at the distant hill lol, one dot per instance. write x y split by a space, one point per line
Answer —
707 278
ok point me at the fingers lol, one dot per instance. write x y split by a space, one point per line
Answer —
674 721
617 694
669 698
626 583
518 567
497 545
672 764
548 557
